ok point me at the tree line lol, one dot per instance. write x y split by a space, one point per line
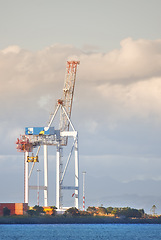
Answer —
91 211
117 212
110 211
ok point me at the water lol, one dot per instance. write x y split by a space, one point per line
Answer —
81 232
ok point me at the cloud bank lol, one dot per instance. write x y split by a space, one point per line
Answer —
120 85
117 98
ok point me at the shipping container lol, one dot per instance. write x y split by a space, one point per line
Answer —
15 208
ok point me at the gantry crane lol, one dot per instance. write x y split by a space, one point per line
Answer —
35 137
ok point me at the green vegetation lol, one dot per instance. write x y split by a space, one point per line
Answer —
128 212
116 212
6 211
72 212
125 212
53 210
92 215
36 211
39 211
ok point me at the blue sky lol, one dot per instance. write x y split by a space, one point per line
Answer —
117 97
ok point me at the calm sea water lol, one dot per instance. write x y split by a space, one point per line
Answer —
81 231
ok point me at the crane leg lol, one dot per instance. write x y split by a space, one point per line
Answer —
45 176
58 176
26 179
76 175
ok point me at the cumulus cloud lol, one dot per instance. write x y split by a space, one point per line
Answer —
116 107
11 49
111 87
140 99
134 61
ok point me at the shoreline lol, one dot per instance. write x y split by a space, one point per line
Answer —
76 220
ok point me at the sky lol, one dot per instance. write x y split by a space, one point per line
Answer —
117 99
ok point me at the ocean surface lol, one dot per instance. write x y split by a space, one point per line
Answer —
81 231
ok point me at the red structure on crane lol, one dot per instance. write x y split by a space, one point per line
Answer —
23 144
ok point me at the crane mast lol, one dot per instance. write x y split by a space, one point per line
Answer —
37 136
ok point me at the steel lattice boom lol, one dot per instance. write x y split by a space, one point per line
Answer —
68 92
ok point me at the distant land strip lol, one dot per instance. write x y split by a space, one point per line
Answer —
77 220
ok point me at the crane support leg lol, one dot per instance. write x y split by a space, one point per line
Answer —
76 175
26 180
45 176
58 177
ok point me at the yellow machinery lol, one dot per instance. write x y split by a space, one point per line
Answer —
32 159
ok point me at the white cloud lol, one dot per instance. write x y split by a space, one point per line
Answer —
44 101
116 107
140 99
134 61
91 126
11 49
117 86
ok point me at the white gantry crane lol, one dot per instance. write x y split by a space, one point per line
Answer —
35 137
